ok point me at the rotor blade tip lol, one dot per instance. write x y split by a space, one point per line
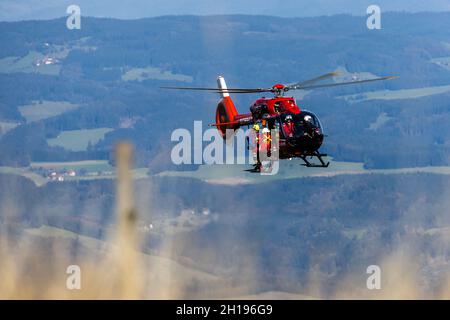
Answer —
390 78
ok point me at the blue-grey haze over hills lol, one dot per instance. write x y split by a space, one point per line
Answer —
12 10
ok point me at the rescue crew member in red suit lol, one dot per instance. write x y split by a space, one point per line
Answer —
288 126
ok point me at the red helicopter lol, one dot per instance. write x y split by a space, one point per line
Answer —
300 131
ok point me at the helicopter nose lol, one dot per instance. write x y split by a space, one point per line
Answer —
310 141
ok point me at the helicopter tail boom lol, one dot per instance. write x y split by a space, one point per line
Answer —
226 112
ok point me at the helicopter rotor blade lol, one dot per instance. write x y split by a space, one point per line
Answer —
342 83
304 85
311 81
218 90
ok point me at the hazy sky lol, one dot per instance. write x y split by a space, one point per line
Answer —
11 10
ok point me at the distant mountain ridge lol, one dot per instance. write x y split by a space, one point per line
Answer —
12 10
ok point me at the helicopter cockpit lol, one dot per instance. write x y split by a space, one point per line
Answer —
301 122
301 130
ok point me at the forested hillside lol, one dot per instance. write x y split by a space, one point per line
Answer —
111 70
331 226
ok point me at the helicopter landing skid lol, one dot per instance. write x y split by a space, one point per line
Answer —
317 155
256 168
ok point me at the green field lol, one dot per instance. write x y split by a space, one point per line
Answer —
45 109
235 174
382 119
215 174
6 126
140 173
95 170
78 140
88 165
140 74
24 172
396 94
27 64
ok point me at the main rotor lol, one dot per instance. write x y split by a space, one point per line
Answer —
279 89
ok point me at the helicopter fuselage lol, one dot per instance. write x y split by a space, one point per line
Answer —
301 136
306 136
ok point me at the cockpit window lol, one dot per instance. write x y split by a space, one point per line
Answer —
278 107
297 124
301 118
